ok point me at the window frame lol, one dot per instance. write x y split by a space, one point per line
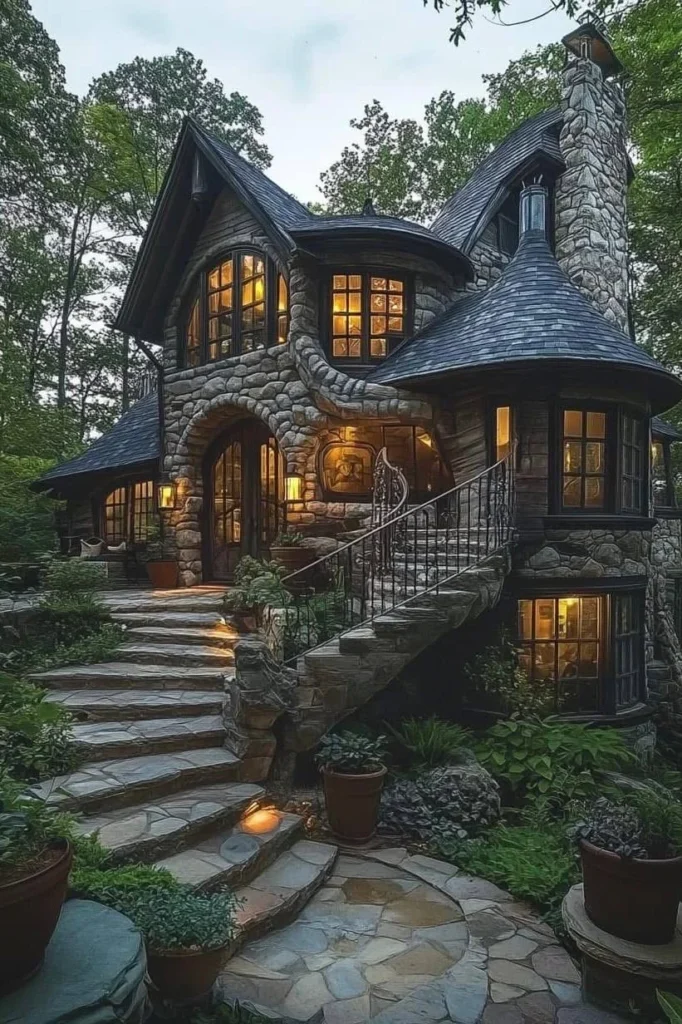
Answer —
611 592
494 403
613 475
367 272
128 485
200 290
670 496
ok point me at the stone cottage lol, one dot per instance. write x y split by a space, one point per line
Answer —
295 348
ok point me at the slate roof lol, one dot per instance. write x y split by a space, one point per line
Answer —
532 314
659 428
133 439
463 212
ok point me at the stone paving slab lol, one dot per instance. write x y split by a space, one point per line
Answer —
115 783
136 704
108 674
160 654
406 938
102 740
215 636
158 828
232 856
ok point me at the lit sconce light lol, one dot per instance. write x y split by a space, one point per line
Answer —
166 494
294 487
264 819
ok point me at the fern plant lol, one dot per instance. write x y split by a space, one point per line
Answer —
431 742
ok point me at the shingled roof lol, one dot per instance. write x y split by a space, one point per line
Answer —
463 213
532 315
133 440
659 428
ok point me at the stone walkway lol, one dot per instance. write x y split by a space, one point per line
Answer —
399 939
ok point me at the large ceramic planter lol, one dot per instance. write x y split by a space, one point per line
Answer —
185 976
352 803
163 575
292 559
29 911
633 899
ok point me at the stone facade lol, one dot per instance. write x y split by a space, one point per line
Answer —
591 223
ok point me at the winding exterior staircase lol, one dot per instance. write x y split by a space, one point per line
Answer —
159 782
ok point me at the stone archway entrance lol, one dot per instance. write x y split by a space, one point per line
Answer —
244 497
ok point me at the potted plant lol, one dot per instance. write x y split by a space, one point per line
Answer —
187 935
632 868
353 774
35 860
162 572
288 550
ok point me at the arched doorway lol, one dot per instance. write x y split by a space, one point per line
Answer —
244 497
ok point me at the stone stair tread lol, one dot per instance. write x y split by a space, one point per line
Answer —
93 737
273 897
108 673
232 856
222 636
189 600
156 828
124 780
136 704
174 652
173 620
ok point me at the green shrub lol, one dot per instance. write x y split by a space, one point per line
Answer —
27 826
351 753
71 578
26 518
496 682
34 734
88 649
431 742
453 801
555 762
94 877
257 583
183 920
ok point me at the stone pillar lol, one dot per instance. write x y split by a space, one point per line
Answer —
591 226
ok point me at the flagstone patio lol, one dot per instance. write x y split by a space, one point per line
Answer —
399 939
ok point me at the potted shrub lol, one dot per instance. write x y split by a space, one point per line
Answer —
632 868
288 550
353 774
35 859
162 572
187 935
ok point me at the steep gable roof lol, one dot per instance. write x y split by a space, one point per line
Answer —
133 440
464 212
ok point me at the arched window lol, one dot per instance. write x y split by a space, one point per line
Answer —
241 304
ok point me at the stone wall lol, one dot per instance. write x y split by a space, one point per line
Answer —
591 225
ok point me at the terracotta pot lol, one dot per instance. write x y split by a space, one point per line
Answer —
163 575
185 976
633 899
352 803
29 911
292 558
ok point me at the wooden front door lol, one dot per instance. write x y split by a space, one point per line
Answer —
244 488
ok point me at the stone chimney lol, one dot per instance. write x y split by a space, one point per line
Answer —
591 195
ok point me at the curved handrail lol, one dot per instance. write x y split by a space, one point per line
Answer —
391 490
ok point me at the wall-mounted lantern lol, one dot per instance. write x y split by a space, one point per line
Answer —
166 494
294 487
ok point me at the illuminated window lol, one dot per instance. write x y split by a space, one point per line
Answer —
116 516
143 508
128 511
242 305
368 315
584 459
565 652
503 432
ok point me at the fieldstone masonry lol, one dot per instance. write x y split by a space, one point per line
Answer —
591 226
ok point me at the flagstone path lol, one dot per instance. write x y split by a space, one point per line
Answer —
400 939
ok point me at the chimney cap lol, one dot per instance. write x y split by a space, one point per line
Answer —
593 30
368 208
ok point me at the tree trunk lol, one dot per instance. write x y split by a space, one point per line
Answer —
62 357
125 375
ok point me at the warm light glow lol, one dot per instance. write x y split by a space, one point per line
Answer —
294 487
166 495
502 431
266 819
425 439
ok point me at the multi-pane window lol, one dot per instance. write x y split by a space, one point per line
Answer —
503 432
116 516
561 649
368 315
631 464
143 508
128 512
584 455
627 649
242 304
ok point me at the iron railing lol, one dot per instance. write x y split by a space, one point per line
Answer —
410 554
390 491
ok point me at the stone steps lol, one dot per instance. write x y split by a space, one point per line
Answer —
175 620
101 741
158 829
219 636
100 705
161 601
191 655
110 674
232 857
119 783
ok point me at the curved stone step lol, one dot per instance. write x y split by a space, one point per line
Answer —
184 600
157 829
119 783
173 620
134 705
219 636
276 895
191 655
99 741
232 857
109 674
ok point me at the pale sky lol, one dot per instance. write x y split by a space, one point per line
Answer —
308 65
